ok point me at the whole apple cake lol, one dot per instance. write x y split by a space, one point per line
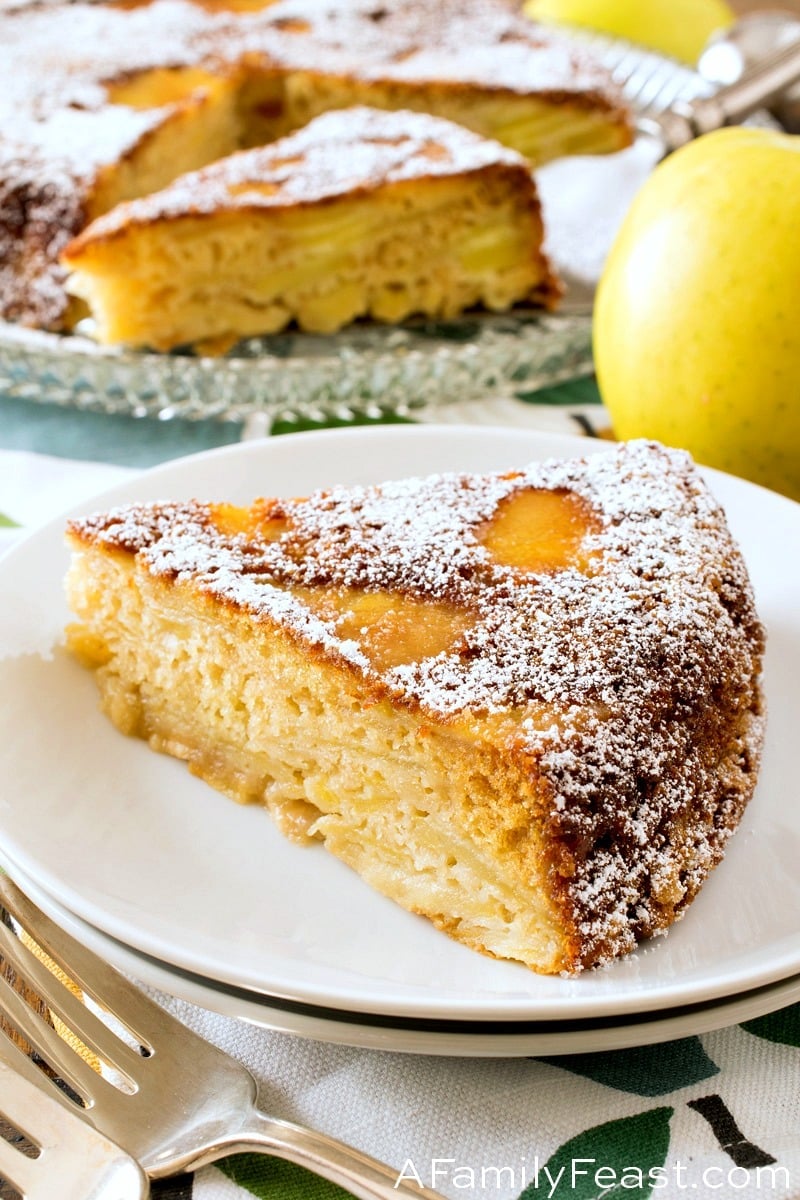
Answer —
524 705
107 102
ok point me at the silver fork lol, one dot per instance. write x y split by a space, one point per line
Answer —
169 1098
761 84
674 104
57 1154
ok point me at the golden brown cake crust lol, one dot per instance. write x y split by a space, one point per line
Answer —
626 685
62 140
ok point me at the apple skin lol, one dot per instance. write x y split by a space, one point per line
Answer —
697 316
679 28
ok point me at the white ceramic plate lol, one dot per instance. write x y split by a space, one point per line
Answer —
461 1038
134 845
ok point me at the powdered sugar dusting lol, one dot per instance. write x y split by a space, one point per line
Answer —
632 687
59 58
340 153
560 638
482 43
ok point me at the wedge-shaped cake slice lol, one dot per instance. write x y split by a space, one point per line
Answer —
360 213
524 705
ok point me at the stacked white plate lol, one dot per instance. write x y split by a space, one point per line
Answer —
206 900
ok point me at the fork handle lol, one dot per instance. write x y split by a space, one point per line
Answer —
358 1173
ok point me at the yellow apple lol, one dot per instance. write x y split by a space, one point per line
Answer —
679 28
697 316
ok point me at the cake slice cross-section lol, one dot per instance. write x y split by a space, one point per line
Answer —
361 213
525 705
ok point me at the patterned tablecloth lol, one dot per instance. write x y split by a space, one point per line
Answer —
714 1116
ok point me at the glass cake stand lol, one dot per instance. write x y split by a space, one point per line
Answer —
367 369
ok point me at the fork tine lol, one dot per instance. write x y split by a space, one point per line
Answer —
20 1171
18 1061
46 1041
95 977
73 1160
95 1035
14 1166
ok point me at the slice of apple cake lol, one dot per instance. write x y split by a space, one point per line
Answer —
360 213
524 705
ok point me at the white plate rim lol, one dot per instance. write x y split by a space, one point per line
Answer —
449 1040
